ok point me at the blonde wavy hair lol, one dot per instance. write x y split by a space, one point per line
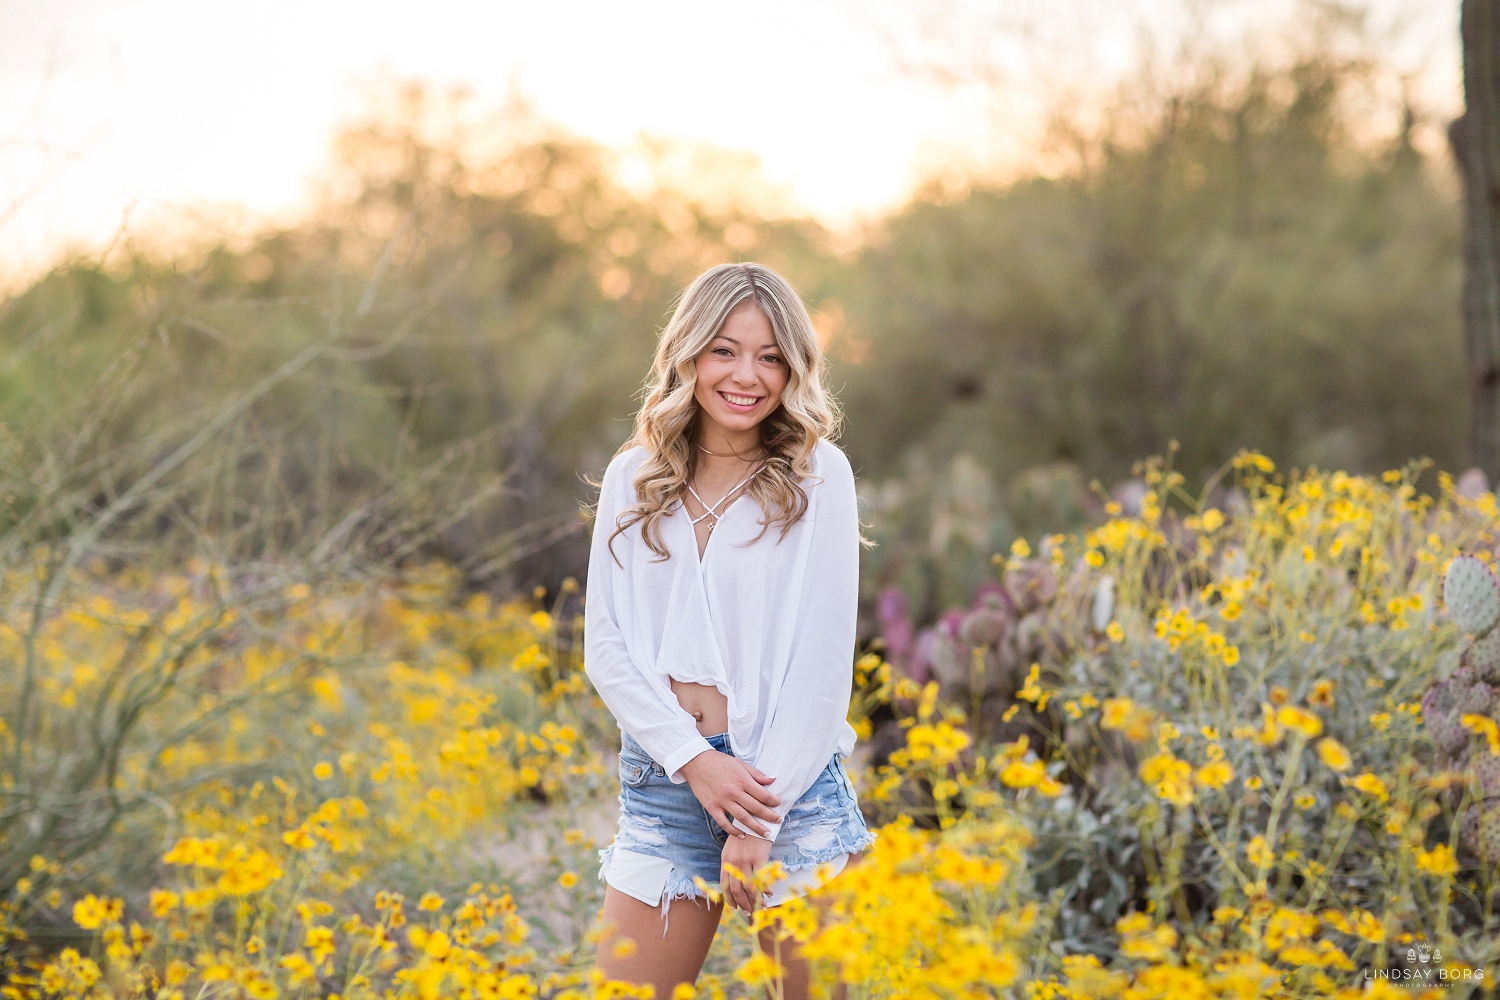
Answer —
667 425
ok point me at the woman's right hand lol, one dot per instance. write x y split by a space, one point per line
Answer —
727 786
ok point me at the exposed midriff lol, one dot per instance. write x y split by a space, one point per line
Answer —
705 703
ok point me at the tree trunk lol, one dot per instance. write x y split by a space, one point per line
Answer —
1476 147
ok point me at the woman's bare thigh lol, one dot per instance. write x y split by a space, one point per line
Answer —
796 979
661 960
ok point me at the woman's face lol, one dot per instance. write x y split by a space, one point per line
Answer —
741 372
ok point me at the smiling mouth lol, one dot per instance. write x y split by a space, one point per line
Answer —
740 402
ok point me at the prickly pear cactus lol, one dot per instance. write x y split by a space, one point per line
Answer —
988 624
1483 657
1472 595
1481 825
1487 776
1445 704
1481 830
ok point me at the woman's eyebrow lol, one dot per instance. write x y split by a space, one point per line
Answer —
770 346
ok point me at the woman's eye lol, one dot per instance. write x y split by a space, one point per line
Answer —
771 359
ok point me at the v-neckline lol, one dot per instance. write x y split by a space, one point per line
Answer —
692 529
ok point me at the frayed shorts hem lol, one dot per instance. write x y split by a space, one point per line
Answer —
636 880
667 847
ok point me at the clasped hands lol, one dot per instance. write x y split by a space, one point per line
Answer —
730 789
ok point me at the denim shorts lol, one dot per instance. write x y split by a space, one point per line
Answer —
666 837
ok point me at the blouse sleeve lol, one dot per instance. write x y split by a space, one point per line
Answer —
662 726
810 715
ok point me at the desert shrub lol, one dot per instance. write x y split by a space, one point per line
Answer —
1226 732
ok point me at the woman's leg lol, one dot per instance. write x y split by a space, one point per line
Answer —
661 960
795 981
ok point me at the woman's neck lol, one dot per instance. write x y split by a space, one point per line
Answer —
720 442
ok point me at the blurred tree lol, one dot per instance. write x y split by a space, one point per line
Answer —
1476 148
1233 258
494 292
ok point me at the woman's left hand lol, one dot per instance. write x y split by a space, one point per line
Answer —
747 855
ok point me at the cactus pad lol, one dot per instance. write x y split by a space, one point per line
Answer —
1445 704
1486 771
1481 830
1472 595
986 626
1483 657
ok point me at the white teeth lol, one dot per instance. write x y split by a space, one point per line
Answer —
740 400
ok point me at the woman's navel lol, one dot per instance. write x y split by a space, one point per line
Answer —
705 703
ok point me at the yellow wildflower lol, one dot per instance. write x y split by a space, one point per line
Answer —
299 968
1140 939
1214 775
1370 785
1300 720
1368 926
759 969
1116 711
319 941
1484 726
1334 754
247 871
91 911
1030 774
1438 861
1270 729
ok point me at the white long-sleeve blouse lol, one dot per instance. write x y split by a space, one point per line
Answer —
769 623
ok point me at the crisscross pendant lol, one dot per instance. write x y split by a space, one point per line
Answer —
713 511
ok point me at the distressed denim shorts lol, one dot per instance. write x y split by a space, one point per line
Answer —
666 837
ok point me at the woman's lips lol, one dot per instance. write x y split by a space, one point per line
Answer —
740 407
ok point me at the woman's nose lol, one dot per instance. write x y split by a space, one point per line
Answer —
744 370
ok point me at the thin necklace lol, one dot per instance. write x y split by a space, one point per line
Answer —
732 454
713 511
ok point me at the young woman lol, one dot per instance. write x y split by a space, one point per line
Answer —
719 628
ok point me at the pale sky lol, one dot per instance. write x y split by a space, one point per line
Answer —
168 106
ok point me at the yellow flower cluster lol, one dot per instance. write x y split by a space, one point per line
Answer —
1179 629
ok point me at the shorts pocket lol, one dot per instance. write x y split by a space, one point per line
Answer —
635 769
642 876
